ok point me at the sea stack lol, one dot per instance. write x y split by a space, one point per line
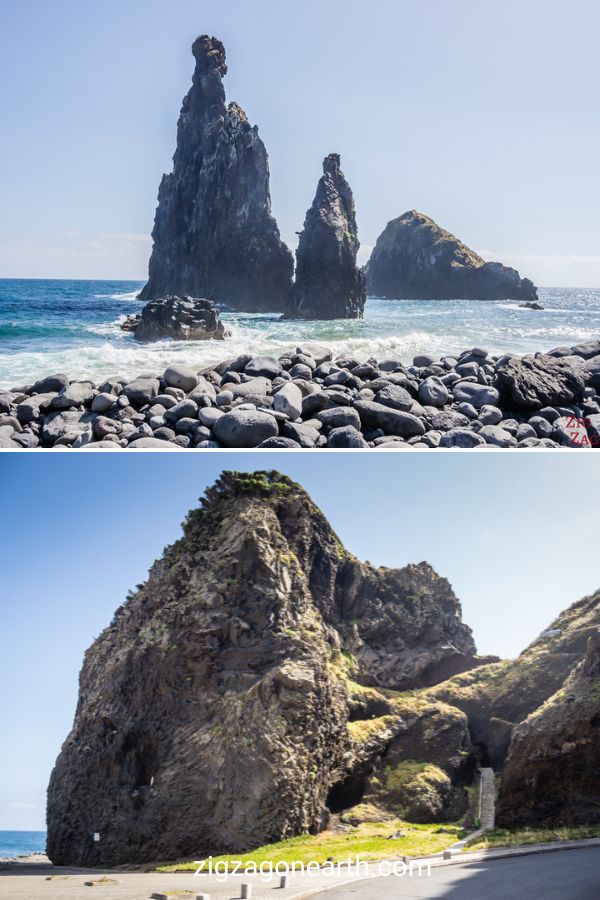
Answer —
219 710
214 234
328 283
415 259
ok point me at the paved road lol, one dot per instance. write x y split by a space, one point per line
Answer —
566 875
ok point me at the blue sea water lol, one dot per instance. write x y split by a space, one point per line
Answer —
73 327
21 843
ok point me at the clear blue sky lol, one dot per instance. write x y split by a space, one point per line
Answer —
516 537
481 114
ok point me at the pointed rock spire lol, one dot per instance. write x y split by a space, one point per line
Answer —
214 235
328 283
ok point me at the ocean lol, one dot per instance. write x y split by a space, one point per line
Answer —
21 843
73 327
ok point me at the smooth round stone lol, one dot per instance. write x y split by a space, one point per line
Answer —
225 398
150 443
525 431
103 402
477 394
73 396
245 428
182 410
433 392
499 437
156 422
461 437
339 417
466 369
424 360
279 443
164 434
180 377
346 437
468 410
490 415
267 366
395 396
185 425
288 400
209 415
543 428
141 391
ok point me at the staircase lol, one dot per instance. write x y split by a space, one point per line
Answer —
487 800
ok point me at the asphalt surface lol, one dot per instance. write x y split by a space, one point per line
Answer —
565 875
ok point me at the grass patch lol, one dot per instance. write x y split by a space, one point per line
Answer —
518 837
369 840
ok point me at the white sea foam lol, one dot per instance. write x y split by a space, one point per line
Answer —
131 295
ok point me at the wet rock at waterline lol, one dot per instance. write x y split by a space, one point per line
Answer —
178 318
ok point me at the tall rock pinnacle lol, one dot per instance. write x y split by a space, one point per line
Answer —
328 283
214 235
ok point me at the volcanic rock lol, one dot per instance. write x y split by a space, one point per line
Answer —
214 710
328 283
552 776
416 259
214 235
532 382
179 318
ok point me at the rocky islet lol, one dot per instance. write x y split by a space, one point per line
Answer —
306 398
414 258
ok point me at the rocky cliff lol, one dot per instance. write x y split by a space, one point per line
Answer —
223 706
416 259
552 776
214 235
328 283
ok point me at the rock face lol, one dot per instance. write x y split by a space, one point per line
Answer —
497 698
552 776
214 235
328 283
532 382
219 708
416 259
179 318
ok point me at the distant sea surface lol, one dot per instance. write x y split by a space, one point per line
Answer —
73 327
21 843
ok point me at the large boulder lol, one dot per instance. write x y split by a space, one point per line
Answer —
214 235
329 284
533 382
179 318
416 259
